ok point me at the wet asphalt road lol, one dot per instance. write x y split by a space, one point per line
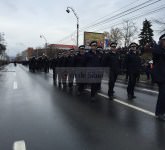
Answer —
49 118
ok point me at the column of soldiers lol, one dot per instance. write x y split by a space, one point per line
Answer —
94 62
39 64
87 67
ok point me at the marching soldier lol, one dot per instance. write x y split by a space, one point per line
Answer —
32 64
45 64
112 61
100 54
64 73
54 62
59 68
92 63
70 67
40 63
79 69
133 65
159 76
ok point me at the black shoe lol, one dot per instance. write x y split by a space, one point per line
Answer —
133 96
64 86
130 97
93 99
99 88
111 98
78 93
161 117
59 85
71 88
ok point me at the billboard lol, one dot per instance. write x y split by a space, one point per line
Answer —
93 36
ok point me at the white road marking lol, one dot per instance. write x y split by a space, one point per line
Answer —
15 74
128 105
156 92
142 89
15 85
19 145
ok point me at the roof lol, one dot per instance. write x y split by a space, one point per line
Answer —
62 46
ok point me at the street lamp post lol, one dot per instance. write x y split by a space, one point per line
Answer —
68 11
42 36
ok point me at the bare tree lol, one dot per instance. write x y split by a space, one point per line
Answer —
162 25
116 35
129 31
107 34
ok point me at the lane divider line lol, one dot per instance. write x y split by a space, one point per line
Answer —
15 85
19 145
127 104
150 91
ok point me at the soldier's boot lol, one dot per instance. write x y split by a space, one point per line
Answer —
59 84
130 97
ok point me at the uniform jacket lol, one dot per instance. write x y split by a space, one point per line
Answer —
92 60
112 60
159 64
133 62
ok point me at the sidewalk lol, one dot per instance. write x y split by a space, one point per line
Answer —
143 84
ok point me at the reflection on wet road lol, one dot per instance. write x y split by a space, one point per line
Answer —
48 118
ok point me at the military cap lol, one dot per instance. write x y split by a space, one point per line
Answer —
133 45
93 43
162 37
99 48
82 47
113 44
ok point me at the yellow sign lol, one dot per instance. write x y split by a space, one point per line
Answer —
93 36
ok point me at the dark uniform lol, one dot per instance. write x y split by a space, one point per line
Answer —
70 68
53 66
133 64
159 76
63 63
59 68
80 65
40 64
45 64
100 54
148 70
112 61
92 63
15 63
32 64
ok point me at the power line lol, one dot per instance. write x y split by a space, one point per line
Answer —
133 18
122 14
102 18
138 16
112 12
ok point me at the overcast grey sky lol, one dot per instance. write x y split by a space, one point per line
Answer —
23 21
